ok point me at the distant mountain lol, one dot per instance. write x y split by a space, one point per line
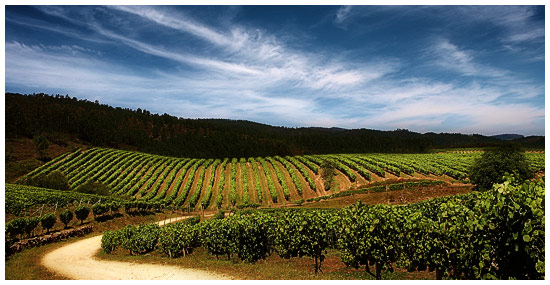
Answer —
507 137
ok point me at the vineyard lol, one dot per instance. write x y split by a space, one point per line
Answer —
214 184
470 236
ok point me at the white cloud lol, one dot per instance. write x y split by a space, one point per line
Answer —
253 75
343 13
452 57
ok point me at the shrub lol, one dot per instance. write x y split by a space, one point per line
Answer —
220 215
56 180
140 240
496 163
218 237
48 221
99 209
15 227
92 187
178 239
82 213
66 217
30 224
110 241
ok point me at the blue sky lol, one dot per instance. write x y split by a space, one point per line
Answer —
468 69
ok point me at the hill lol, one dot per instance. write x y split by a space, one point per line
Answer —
209 183
65 120
505 137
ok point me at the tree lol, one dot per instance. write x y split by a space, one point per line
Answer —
493 165
66 217
31 224
327 173
41 143
92 187
55 180
48 221
82 213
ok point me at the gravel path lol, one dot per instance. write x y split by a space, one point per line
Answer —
76 261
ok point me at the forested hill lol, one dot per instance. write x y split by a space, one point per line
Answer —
62 117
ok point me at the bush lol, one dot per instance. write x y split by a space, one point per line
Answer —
30 224
82 213
496 163
66 217
55 180
48 221
218 237
220 215
99 209
92 187
178 239
110 241
140 240
16 227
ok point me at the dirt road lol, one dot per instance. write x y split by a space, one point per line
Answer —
76 261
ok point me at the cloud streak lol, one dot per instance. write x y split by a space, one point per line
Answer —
242 71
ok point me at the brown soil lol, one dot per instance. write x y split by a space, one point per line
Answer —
395 197
193 185
266 196
215 187
251 184
280 194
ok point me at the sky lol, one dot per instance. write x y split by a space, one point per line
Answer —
466 69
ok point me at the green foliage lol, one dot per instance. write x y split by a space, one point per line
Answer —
95 188
300 234
20 198
327 173
218 237
140 240
110 241
251 236
81 213
179 239
54 180
66 217
41 143
100 209
48 221
30 225
497 162
16 227
220 215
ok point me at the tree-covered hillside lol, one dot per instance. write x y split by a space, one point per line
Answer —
102 125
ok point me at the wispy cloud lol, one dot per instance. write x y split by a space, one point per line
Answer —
343 13
239 71
452 57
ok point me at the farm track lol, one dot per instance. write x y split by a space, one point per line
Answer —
76 261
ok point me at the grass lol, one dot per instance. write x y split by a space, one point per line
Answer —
26 265
272 268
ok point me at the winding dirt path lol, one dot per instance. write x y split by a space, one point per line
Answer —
76 261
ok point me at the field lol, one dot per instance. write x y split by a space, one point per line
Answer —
408 236
267 181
